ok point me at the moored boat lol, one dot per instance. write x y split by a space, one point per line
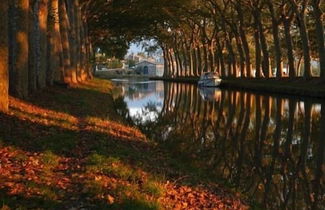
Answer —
209 79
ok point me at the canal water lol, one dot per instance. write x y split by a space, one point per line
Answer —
269 148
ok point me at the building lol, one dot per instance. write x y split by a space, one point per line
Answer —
146 68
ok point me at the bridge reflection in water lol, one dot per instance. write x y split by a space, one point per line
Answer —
270 148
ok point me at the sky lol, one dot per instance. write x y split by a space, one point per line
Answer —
135 48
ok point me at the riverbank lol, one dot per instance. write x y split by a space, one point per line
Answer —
68 148
296 87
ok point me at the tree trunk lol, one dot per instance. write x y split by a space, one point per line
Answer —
317 12
34 47
76 21
195 61
165 61
43 24
199 61
64 30
19 70
82 48
4 56
257 54
206 59
244 41
266 57
221 59
301 19
70 6
288 39
276 39
53 71
241 55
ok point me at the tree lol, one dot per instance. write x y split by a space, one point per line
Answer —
4 55
19 48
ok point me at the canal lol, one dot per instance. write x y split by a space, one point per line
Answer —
269 148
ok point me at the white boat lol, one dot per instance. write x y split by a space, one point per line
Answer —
209 79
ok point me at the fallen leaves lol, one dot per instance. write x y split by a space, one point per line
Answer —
65 177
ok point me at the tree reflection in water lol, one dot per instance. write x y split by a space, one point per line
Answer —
270 148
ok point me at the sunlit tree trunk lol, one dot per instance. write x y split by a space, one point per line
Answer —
70 6
19 62
4 56
64 30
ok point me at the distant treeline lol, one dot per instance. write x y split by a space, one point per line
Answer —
253 38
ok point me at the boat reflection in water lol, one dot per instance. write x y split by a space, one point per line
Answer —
269 148
210 93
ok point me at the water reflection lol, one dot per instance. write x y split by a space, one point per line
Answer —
270 148
144 99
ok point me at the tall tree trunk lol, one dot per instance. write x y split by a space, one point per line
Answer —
34 47
199 60
276 39
211 56
288 39
177 62
77 24
64 30
264 47
258 57
89 52
221 59
166 64
189 51
195 61
54 42
241 55
300 12
206 59
244 41
19 70
305 46
317 12
83 48
43 24
4 56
